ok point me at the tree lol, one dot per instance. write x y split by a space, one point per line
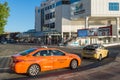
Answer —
4 14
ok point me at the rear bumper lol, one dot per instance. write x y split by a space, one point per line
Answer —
95 56
19 67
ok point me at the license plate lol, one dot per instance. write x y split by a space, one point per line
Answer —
89 52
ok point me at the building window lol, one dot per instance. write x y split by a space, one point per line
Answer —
47 25
52 25
45 8
50 6
50 15
53 14
47 16
73 1
65 2
53 5
62 2
38 10
59 3
113 6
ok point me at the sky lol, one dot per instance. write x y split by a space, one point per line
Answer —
22 15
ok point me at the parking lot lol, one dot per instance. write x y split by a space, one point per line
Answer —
87 64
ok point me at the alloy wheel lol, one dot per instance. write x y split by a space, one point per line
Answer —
73 64
33 70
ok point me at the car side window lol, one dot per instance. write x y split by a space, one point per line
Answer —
43 53
36 54
57 53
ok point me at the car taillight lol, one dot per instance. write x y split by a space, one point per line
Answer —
16 61
96 51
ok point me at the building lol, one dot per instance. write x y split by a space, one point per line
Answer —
68 16
55 15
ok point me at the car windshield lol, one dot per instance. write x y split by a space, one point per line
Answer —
23 53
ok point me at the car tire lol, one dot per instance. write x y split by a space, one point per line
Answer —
34 70
100 57
74 64
108 54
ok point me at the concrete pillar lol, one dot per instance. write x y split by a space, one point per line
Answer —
109 22
117 25
86 22
111 40
62 35
70 34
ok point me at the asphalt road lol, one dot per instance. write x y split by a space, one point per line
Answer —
7 74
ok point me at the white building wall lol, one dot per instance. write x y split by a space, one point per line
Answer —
69 25
94 8
58 18
100 8
65 18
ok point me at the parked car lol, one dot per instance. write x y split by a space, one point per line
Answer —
96 51
36 60
3 42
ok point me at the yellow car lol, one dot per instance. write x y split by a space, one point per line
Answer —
96 51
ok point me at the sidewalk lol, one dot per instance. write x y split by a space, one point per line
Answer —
106 45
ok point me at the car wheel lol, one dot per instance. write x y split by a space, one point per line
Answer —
100 57
33 70
74 64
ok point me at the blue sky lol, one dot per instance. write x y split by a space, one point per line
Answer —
22 15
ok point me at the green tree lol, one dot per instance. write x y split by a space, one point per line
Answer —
4 14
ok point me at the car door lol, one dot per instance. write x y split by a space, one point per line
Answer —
60 60
104 51
44 59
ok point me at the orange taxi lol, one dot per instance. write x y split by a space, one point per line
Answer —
36 60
